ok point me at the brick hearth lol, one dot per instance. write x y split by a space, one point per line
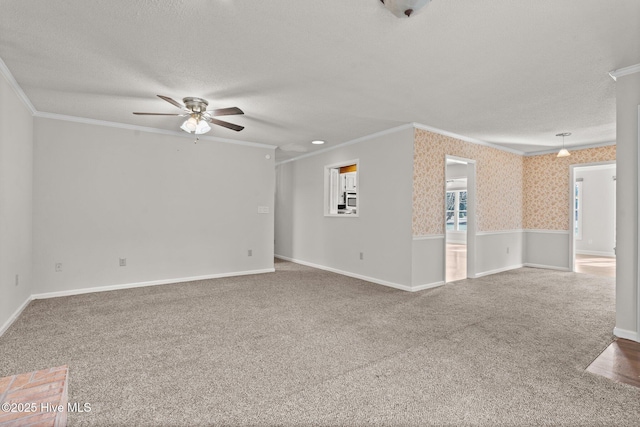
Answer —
36 398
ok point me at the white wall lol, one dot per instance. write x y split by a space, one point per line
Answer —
428 261
456 170
172 208
383 229
16 191
598 210
498 251
627 304
546 249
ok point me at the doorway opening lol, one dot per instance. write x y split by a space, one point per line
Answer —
593 219
459 213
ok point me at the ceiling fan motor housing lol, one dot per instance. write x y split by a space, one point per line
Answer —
196 105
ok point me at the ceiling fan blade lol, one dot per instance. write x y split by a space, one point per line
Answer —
231 126
159 114
225 111
172 101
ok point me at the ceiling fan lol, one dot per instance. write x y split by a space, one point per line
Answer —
199 116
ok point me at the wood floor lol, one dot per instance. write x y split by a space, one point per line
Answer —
588 264
596 265
456 262
619 362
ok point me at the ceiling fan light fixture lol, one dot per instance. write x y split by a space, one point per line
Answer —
184 127
191 124
202 127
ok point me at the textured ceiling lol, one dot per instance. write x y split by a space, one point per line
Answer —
510 72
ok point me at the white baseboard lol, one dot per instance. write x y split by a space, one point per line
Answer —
150 283
427 286
626 334
354 275
596 253
548 267
14 316
45 295
457 242
498 270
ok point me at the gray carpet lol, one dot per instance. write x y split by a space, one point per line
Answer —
307 347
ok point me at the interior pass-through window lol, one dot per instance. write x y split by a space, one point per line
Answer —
341 189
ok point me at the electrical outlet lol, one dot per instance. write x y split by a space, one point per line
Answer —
17 279
361 255
250 252
507 249
123 262
58 267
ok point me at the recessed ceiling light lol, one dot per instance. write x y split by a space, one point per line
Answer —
317 142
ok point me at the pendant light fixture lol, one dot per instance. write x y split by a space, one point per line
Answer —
563 151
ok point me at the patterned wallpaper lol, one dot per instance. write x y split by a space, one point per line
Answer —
546 184
499 184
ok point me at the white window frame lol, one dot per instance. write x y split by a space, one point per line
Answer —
577 208
331 189
456 210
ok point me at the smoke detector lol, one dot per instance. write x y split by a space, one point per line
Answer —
402 8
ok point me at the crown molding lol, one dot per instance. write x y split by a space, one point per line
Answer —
353 141
615 74
4 70
571 147
404 127
467 139
84 120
